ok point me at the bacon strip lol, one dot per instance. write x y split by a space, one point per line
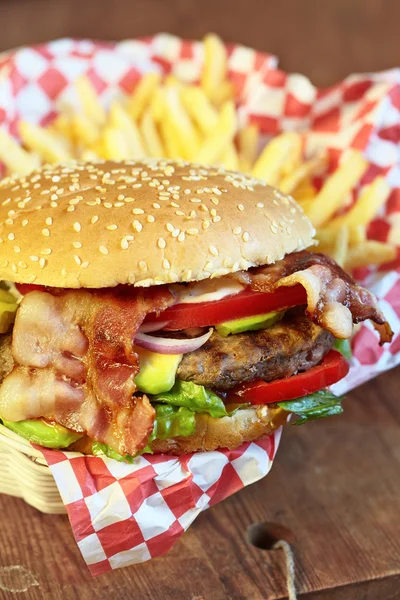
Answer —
76 364
334 300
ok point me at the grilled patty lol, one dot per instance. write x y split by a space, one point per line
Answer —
6 358
291 345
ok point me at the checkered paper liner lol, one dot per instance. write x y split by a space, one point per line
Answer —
123 514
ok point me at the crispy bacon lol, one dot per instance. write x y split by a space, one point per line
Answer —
334 300
75 363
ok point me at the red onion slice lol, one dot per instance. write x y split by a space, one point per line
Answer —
171 345
148 327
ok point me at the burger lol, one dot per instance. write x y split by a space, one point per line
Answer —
162 306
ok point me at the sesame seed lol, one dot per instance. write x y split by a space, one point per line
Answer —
17 249
181 236
137 226
63 272
34 258
216 219
9 222
213 250
22 264
49 221
11 237
77 226
170 227
260 205
107 205
5 263
192 231
85 264
274 229
143 265
150 219
166 264
180 213
131 278
118 204
94 219
124 244
77 244
14 268
53 204
42 263
240 206
175 233
208 266
245 236
128 199
70 208
136 185
161 243
112 227
103 250
77 259
120 197
206 224
156 205
138 211
46 251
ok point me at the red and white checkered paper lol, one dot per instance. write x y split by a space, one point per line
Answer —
123 514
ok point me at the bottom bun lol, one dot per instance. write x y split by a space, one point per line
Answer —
246 425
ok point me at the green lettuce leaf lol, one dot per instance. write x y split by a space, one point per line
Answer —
170 422
344 347
195 397
314 406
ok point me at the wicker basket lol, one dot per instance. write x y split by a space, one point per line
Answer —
24 473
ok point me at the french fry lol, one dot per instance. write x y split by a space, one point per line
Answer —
336 187
372 197
89 100
215 66
200 109
223 93
142 94
276 156
115 145
230 158
187 137
356 235
16 159
85 131
48 145
170 137
303 172
370 252
341 246
120 119
151 138
62 124
157 104
248 138
218 141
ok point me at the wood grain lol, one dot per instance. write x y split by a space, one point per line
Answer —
335 483
325 40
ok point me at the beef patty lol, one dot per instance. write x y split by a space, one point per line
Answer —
291 345
6 358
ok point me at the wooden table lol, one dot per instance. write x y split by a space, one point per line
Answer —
335 484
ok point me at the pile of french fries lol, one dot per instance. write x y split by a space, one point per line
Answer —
167 117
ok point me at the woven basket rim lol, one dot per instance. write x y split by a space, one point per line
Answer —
9 438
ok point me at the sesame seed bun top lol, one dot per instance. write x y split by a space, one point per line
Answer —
104 223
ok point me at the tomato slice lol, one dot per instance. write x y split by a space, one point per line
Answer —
243 304
25 288
331 369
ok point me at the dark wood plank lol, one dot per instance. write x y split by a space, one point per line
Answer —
335 486
325 40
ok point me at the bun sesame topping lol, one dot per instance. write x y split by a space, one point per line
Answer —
154 221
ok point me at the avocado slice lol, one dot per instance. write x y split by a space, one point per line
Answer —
248 323
157 371
43 433
8 308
